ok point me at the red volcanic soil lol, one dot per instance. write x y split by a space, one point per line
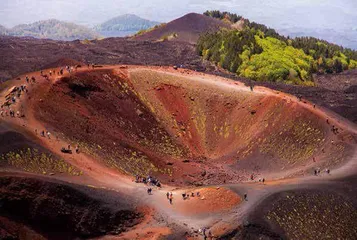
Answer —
189 128
62 62
188 28
99 111
179 126
210 200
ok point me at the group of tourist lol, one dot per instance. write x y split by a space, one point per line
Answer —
10 99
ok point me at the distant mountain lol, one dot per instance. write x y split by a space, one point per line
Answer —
186 29
3 30
124 25
346 38
52 29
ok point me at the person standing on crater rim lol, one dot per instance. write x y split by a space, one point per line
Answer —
77 149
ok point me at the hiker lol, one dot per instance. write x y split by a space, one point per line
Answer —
263 180
48 134
170 197
252 177
27 79
245 197
204 233
327 121
328 171
183 196
167 195
192 194
197 194
77 149
149 191
251 88
315 172
210 236
50 73
42 133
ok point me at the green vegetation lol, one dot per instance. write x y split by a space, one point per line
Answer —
141 32
260 53
168 37
231 17
302 215
31 160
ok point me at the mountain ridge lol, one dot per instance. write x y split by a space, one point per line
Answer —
125 23
52 29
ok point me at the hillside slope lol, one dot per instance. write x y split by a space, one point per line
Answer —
259 53
53 29
183 128
187 28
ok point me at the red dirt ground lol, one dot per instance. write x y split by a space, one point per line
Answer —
211 200
184 128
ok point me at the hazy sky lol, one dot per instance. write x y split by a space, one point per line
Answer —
336 14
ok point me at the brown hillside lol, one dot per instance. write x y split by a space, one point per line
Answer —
188 28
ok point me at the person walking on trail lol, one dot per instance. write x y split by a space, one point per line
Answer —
170 198
263 180
210 236
27 79
245 197
48 134
149 191
167 195
77 149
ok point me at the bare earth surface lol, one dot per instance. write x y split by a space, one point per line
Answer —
187 129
